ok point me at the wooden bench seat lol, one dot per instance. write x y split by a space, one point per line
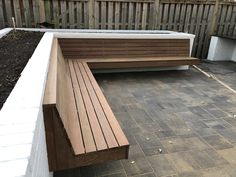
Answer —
139 62
81 128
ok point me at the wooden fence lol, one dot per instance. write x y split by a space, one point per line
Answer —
200 17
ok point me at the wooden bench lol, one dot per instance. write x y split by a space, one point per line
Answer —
129 53
81 128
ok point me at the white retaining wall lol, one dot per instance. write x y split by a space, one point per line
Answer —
222 49
22 135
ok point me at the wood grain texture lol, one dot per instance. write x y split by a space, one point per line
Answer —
66 105
109 48
80 126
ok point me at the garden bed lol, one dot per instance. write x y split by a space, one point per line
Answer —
15 51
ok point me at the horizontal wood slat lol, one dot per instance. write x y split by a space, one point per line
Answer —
105 48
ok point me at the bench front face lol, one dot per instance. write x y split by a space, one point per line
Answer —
85 48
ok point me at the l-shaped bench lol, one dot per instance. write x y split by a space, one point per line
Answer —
81 128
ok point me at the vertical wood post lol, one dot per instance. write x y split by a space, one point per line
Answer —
156 14
91 9
215 18
41 11
2 21
47 11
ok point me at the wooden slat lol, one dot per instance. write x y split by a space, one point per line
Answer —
124 16
63 14
88 139
105 48
17 12
66 105
112 63
130 15
143 59
144 16
227 20
86 15
103 15
106 129
121 139
110 15
202 30
2 21
137 16
117 15
94 123
56 13
48 114
27 15
177 17
71 15
193 19
171 17
187 18
96 14
232 22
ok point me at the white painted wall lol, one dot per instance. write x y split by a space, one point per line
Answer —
22 135
222 49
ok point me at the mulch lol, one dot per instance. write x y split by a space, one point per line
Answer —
15 51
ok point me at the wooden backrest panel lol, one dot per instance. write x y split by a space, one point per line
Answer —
109 48
66 104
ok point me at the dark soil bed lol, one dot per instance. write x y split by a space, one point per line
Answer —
15 51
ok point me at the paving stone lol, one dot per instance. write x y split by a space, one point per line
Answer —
215 124
136 166
130 138
165 134
108 168
218 142
215 111
150 144
135 151
190 174
229 134
206 132
183 144
202 159
69 173
87 171
161 165
216 157
179 161
149 127
146 175
229 155
231 121
219 172
126 122
200 112
148 140
122 174
139 115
